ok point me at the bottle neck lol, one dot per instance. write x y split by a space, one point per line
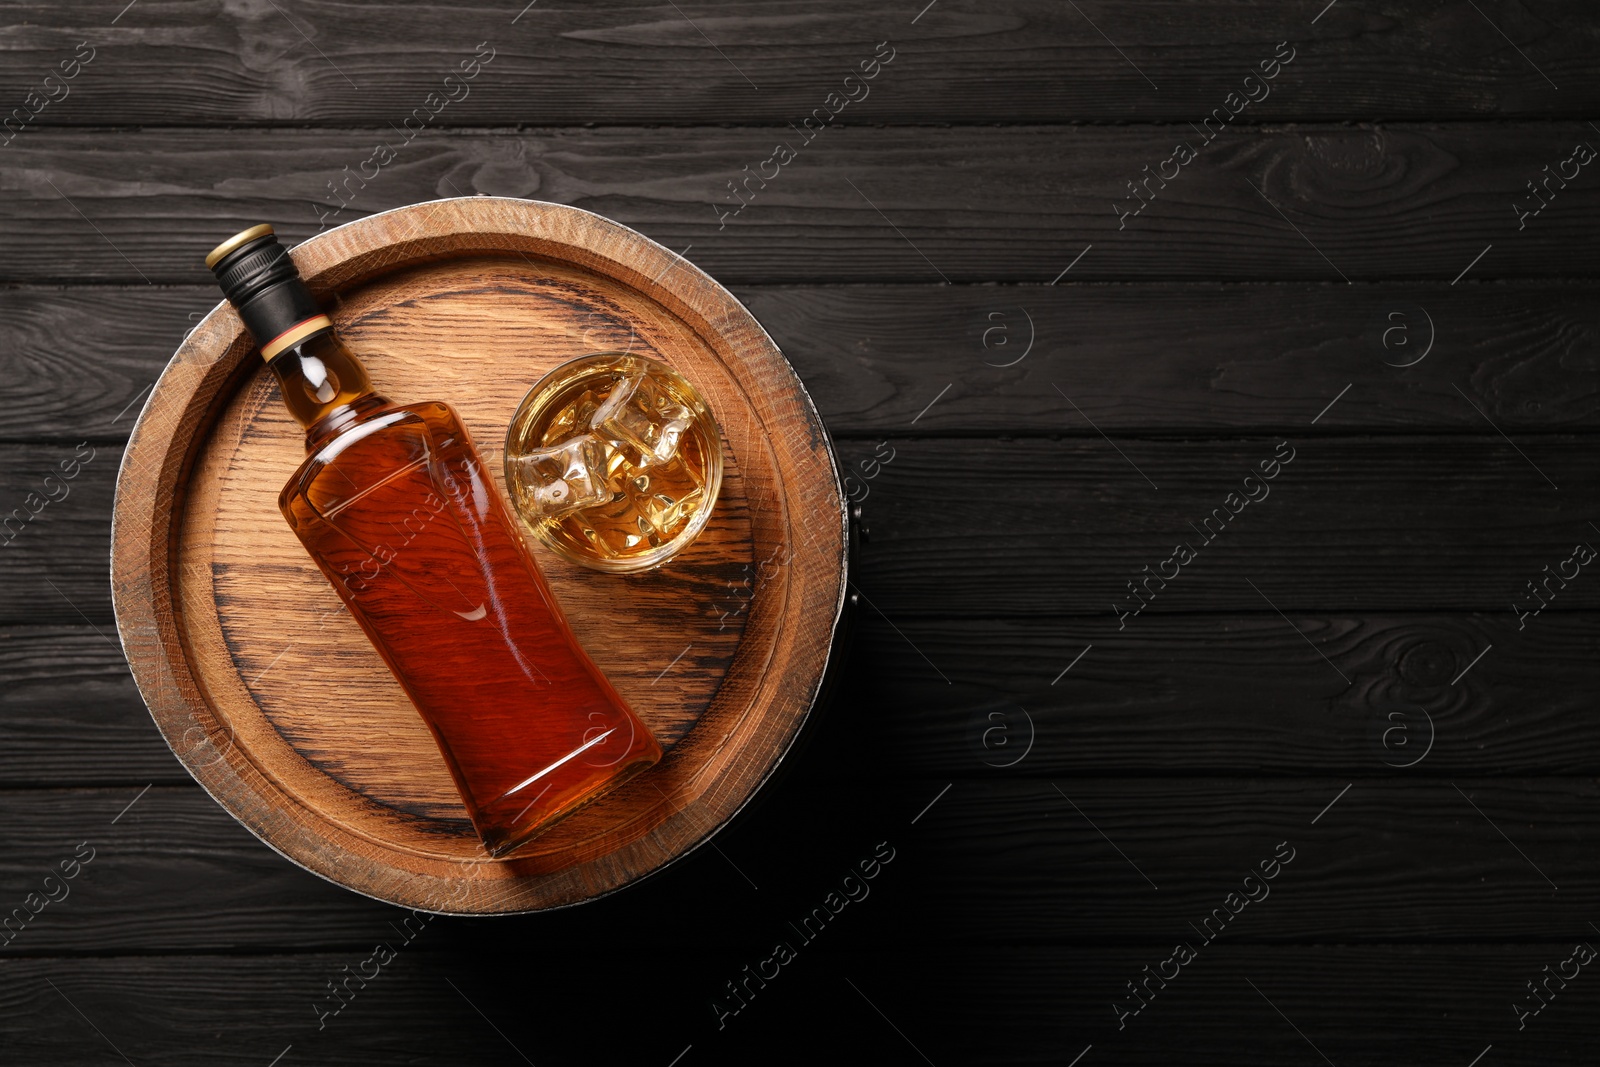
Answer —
325 387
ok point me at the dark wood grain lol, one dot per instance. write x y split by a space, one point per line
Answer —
1361 1004
1352 524
1420 1004
1150 359
1191 359
58 529
1166 699
1397 146
1227 694
1394 860
1053 527
1405 202
179 1009
71 713
1022 60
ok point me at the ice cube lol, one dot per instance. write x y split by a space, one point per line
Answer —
641 413
662 508
616 528
566 476
573 418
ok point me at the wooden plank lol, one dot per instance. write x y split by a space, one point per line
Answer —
1006 1004
1233 1004
1352 524
1390 860
70 712
1164 699
1184 359
1293 203
1009 924
1066 861
1021 60
55 512
1055 697
1002 1005
1146 359
239 1010
1356 1005
142 845
80 362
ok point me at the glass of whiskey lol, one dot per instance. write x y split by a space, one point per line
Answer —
614 461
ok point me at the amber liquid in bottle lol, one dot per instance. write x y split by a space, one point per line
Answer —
399 511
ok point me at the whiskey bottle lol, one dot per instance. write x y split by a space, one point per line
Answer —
399 511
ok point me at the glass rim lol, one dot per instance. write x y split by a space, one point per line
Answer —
527 409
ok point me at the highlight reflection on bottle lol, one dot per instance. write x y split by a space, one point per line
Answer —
399 511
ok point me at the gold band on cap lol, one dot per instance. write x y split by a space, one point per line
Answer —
295 334
235 241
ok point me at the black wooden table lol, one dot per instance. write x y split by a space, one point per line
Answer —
1218 384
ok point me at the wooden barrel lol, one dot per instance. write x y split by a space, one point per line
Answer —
270 694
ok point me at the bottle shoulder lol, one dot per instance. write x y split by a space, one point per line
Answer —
386 438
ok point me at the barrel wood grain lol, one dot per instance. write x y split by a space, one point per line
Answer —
280 707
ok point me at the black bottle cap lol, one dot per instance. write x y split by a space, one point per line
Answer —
263 284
